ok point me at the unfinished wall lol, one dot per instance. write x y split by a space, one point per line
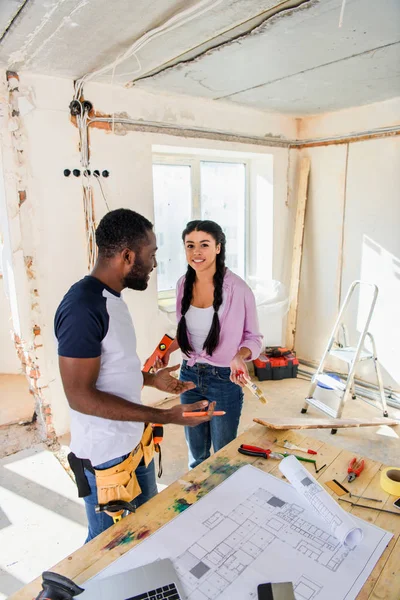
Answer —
351 233
56 239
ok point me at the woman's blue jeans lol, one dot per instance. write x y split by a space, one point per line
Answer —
213 384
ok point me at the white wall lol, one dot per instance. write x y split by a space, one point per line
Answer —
58 240
353 202
9 362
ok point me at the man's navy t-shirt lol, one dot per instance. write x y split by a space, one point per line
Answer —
93 321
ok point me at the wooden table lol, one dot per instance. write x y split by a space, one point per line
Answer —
382 584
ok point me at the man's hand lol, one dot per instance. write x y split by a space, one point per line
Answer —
164 382
175 414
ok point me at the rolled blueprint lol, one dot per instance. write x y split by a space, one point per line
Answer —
340 522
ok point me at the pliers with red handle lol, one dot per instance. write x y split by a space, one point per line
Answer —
260 452
356 466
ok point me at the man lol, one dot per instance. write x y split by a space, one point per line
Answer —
101 372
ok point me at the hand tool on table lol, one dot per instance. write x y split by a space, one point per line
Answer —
370 507
255 390
260 452
256 451
291 446
356 466
340 490
302 458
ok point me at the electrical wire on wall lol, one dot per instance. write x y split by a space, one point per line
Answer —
341 17
81 109
102 191
88 205
183 17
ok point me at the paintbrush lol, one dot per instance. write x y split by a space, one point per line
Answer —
255 390
292 446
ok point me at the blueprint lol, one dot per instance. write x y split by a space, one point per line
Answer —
255 528
341 524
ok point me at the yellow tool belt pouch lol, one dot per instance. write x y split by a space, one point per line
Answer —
120 482
147 445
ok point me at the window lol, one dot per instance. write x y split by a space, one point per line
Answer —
192 188
172 210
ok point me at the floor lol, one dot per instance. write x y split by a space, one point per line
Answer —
286 399
16 403
42 520
17 437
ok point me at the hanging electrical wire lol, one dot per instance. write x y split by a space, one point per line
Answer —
341 16
102 192
90 224
82 120
177 20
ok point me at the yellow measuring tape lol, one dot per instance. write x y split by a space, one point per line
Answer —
390 481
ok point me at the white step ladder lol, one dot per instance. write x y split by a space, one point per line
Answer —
351 355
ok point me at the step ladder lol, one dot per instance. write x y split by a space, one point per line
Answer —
352 355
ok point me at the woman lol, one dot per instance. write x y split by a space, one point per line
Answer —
217 332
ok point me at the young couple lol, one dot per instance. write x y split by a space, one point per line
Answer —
217 332
111 441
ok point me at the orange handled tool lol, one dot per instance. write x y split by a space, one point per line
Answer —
355 468
158 430
159 352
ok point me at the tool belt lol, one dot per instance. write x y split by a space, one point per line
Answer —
118 482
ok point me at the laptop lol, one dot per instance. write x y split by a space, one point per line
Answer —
155 581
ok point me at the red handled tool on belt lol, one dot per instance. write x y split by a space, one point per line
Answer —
356 466
158 430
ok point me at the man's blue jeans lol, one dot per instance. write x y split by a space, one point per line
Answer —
99 522
213 384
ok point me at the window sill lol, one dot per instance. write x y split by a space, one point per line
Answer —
167 305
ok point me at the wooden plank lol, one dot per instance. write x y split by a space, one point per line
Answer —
305 423
297 251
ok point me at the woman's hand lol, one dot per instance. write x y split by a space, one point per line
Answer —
160 362
239 372
163 362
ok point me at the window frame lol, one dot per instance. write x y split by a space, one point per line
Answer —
194 161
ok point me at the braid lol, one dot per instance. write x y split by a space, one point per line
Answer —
212 339
181 333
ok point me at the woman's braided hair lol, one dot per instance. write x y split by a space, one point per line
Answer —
212 339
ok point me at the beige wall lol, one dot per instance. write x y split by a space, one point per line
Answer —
351 232
9 362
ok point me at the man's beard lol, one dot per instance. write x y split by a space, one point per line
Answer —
138 276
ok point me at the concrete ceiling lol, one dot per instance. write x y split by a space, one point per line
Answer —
286 56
